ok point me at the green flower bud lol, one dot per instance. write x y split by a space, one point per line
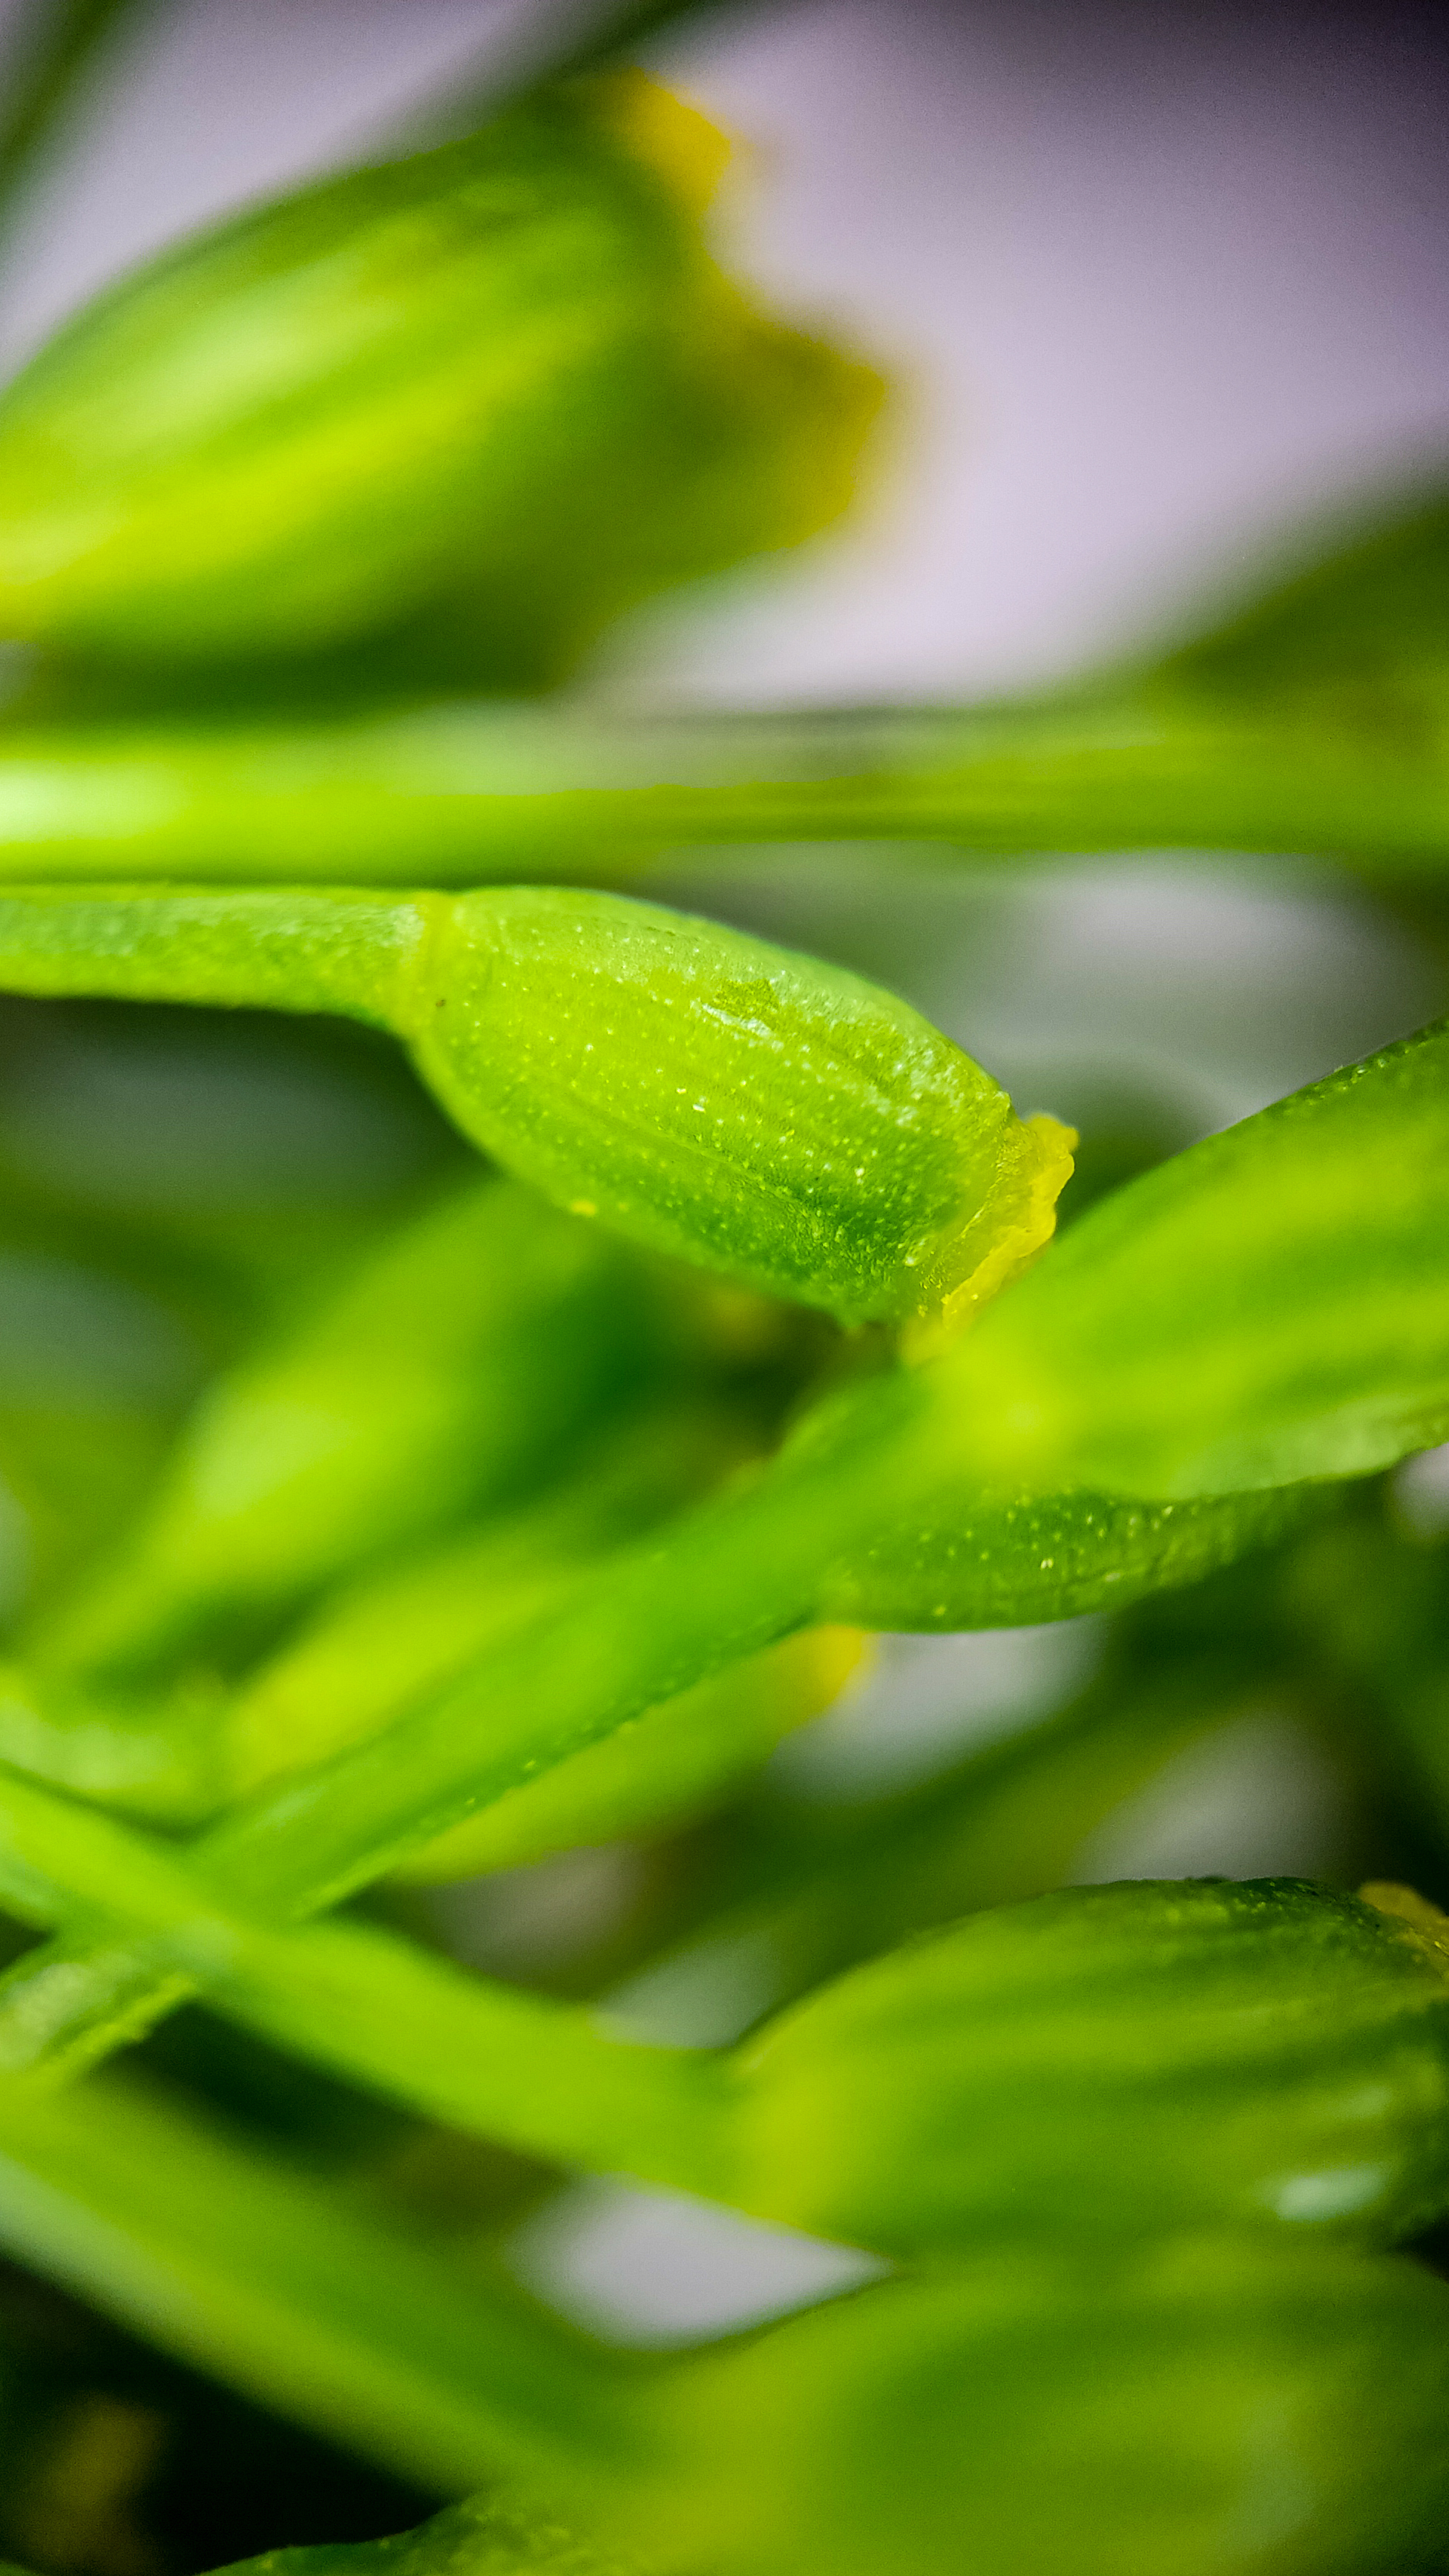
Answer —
777 1120
1267 1307
1215 2409
447 1370
496 386
1118 2060
962 1557
780 1120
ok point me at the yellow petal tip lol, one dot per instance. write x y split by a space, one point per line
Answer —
1015 1220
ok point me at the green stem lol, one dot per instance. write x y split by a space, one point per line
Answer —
507 2066
280 951
245 2268
466 794
726 1580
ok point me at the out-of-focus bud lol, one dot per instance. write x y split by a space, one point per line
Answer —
498 387
1216 2408
449 1370
1117 2060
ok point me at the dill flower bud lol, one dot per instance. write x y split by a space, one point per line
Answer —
491 392
1214 2407
1114 2059
778 1119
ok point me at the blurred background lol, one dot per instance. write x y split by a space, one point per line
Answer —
1159 288
1157 280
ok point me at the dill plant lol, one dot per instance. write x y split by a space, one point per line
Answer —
525 1506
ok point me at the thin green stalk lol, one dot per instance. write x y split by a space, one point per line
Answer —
461 794
722 1582
537 2075
728 1579
248 2269
357 954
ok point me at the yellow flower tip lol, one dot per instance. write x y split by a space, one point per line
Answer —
677 142
828 1659
1013 1223
1424 1925
808 414
843 450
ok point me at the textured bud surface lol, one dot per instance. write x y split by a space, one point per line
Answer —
777 1119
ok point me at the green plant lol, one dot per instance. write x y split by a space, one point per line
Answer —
519 1513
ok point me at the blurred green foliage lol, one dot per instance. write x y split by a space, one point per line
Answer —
495 390
421 1580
